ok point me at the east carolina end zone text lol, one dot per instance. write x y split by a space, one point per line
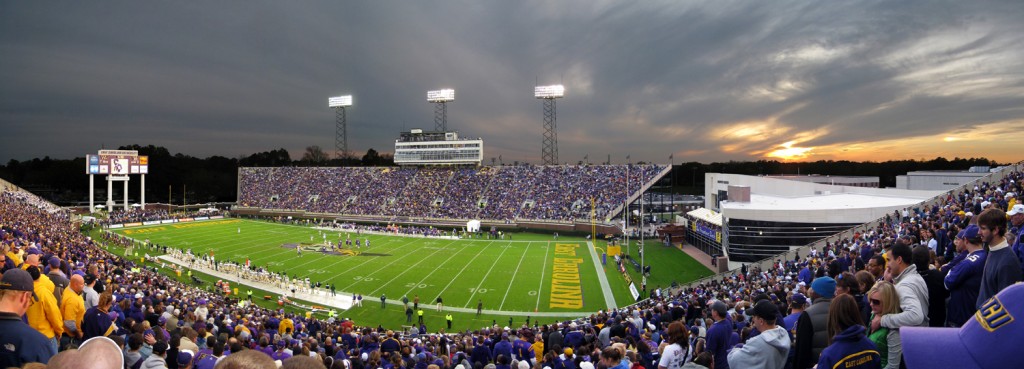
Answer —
566 291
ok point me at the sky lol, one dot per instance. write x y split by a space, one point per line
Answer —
694 81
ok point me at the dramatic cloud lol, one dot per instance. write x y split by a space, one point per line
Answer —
792 80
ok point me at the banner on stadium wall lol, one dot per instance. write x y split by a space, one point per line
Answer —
115 226
201 218
707 232
633 291
217 217
185 220
168 221
152 222
136 224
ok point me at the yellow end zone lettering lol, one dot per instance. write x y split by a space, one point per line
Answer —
566 291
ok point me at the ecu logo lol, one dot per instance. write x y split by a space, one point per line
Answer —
993 315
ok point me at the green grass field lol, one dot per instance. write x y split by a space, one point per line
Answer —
511 277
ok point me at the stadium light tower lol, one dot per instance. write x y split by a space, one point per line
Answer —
440 99
549 147
339 104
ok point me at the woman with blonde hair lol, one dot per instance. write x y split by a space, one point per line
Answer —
884 300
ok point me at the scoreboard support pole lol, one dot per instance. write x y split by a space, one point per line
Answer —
92 193
126 195
110 194
142 192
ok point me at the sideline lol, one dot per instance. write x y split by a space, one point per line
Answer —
344 300
341 301
609 298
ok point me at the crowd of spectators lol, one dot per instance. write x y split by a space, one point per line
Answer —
138 215
865 301
555 193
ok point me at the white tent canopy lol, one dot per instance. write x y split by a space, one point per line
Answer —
473 226
707 215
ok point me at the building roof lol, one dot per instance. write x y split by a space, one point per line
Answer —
821 202
707 215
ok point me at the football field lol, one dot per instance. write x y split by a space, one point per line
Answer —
528 273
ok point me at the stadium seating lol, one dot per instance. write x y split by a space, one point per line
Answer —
552 193
153 304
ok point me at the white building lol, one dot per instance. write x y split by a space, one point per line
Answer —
764 216
417 147
937 180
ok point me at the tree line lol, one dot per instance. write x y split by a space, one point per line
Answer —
172 179
179 177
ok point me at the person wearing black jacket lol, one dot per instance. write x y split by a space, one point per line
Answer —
553 339
935 280
811 327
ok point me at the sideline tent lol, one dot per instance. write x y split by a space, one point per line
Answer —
473 226
707 215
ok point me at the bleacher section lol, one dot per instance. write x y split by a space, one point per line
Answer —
502 193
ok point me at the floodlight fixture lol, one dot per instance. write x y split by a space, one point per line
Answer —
339 101
549 92
549 145
441 96
440 99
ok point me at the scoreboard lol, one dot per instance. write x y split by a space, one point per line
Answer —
117 162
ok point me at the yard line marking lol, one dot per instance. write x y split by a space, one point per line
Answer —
406 270
207 246
485 276
382 268
514 274
543 269
431 272
463 269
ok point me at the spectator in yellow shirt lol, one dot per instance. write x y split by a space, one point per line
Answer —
44 315
33 260
72 309
287 326
538 348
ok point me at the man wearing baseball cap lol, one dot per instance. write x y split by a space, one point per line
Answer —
797 304
769 349
990 339
719 334
964 278
19 343
1016 215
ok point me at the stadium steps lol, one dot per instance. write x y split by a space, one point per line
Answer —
444 190
493 200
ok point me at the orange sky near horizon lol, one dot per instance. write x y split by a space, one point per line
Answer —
1000 142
